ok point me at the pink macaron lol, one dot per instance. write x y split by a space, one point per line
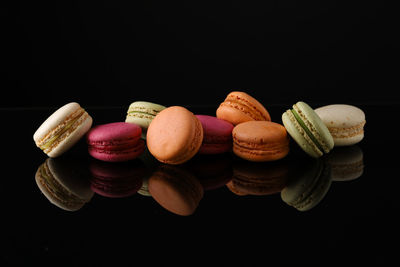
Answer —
114 142
217 135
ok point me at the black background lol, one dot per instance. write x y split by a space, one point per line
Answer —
111 53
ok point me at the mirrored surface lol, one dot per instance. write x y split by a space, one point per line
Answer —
338 209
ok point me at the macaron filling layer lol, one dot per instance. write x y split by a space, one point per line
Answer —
305 128
141 114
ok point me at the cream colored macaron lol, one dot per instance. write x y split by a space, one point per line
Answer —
62 129
344 122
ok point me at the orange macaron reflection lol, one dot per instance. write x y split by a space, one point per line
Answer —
175 189
258 178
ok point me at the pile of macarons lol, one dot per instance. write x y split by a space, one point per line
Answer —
173 135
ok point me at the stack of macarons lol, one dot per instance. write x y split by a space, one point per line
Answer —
255 137
173 135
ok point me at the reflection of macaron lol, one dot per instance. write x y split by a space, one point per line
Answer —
142 113
114 142
212 171
345 123
175 189
62 129
346 163
260 141
217 135
117 179
144 189
307 129
240 107
151 164
306 190
175 135
64 182
256 178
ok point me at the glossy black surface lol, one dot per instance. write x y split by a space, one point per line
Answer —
353 223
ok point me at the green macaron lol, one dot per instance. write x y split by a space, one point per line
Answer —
309 187
142 113
307 129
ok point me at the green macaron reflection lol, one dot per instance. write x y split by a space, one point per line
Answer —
308 187
64 181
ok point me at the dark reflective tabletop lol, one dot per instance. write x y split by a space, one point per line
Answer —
338 209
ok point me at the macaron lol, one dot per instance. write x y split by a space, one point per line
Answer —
175 135
175 189
114 142
63 129
344 122
142 113
240 107
346 163
307 189
64 182
217 135
307 129
116 179
257 178
260 141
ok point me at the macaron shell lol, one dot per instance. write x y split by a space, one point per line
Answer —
145 107
175 135
299 135
315 125
232 115
118 155
341 115
143 122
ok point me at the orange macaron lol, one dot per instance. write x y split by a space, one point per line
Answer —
240 107
175 135
260 141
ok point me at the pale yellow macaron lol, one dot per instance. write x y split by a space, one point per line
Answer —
62 129
344 122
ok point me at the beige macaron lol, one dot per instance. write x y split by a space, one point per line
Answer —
62 129
344 122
